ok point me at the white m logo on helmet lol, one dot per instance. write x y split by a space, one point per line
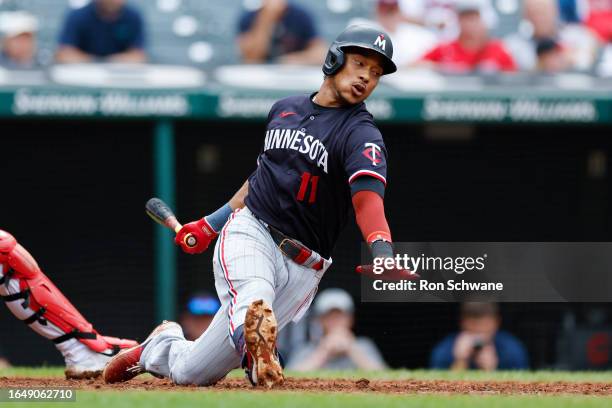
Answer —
381 42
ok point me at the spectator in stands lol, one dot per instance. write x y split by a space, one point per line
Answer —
546 20
542 16
583 27
540 20
473 50
480 344
599 18
280 32
104 30
199 312
18 30
551 56
337 348
440 16
410 41
595 14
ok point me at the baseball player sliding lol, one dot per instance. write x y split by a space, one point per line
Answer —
321 153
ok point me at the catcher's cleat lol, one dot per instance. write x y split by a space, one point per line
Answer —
89 367
261 363
82 363
126 365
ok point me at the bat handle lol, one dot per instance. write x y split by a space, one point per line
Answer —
189 239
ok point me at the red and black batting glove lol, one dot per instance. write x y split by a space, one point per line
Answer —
203 233
385 267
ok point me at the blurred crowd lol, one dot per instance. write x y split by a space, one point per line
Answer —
452 36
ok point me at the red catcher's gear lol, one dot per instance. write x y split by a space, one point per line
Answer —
44 299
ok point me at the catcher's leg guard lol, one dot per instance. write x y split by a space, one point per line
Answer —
35 300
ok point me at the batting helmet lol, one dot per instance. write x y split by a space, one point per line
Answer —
360 36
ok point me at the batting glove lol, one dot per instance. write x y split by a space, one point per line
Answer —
382 250
203 233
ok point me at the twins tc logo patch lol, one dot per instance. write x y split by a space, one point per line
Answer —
372 153
380 41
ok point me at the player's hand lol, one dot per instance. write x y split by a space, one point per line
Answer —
390 274
201 231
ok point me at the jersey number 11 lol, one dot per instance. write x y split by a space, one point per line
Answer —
306 179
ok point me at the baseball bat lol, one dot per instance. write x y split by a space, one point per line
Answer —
163 215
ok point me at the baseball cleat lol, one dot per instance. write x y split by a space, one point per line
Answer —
82 363
263 366
126 364
87 369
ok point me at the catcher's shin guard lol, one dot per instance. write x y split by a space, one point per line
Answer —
35 300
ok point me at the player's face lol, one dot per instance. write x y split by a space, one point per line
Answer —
358 77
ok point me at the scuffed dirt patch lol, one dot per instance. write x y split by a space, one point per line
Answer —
332 385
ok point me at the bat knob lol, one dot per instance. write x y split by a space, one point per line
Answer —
191 241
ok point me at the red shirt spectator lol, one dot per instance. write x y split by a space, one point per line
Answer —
473 49
595 14
600 21
453 57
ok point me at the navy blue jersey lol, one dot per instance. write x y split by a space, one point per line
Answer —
86 30
311 154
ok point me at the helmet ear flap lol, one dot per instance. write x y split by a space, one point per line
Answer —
334 60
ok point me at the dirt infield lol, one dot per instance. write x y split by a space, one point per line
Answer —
336 385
